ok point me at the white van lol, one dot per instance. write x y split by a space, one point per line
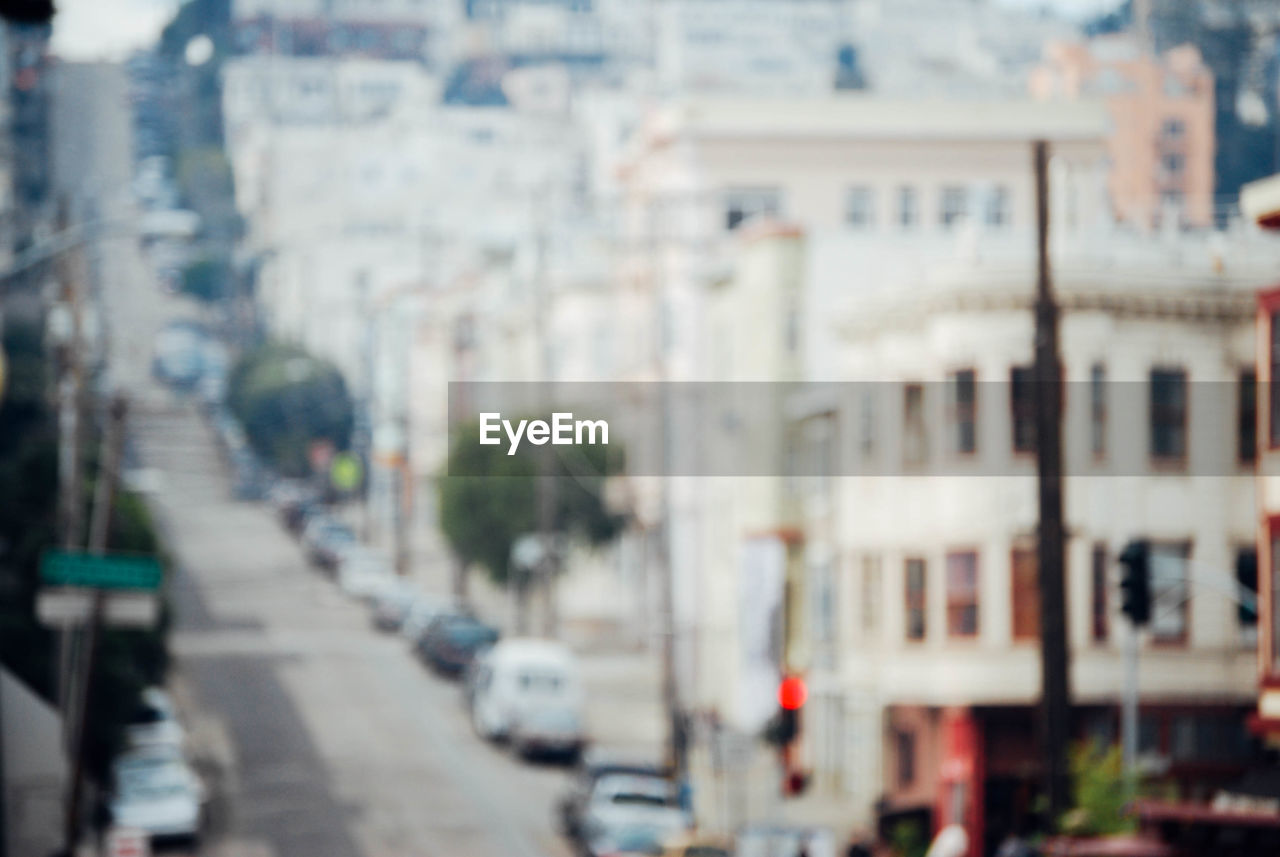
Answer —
529 692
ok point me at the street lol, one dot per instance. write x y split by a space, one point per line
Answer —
322 737
315 735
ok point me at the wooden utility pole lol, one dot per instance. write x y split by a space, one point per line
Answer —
104 494
1055 694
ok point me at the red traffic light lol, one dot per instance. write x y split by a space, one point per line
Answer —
792 693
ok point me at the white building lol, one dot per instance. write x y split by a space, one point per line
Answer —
920 611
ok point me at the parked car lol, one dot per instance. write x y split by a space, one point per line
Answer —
155 722
422 611
529 692
631 813
323 538
363 573
156 791
592 766
391 608
452 640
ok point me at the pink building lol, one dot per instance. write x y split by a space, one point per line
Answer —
1161 143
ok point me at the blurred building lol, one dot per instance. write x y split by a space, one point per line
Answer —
921 593
1161 139
749 47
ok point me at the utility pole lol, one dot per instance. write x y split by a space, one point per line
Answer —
104 494
549 562
1055 698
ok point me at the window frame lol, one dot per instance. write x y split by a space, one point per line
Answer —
960 414
1099 594
752 202
1020 556
1182 410
1022 411
1098 411
954 603
1247 417
949 217
867 195
915 598
1182 638
907 207
914 430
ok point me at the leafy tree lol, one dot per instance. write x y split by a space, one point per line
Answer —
488 499
1101 791
286 400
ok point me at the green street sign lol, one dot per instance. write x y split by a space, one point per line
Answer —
60 568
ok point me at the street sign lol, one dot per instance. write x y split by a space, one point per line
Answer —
128 842
62 568
74 606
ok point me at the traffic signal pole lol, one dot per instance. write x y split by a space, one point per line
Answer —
1055 699
1135 603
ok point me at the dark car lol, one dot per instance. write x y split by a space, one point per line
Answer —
452 641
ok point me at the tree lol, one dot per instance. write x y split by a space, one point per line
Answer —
128 660
1101 791
287 400
488 499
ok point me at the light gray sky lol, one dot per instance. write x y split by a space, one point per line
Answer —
95 29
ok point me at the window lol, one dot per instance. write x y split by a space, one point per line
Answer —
824 618
954 206
1170 592
914 441
1173 129
867 424
859 209
1098 410
1247 582
916 598
1172 163
742 204
1273 386
870 593
962 594
908 207
962 407
1168 414
905 750
1098 595
1024 567
1247 417
1022 406
996 210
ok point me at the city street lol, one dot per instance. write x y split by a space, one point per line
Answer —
315 735
319 736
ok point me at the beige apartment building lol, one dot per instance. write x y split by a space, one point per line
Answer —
1160 142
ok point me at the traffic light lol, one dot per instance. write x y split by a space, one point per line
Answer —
1135 581
784 728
